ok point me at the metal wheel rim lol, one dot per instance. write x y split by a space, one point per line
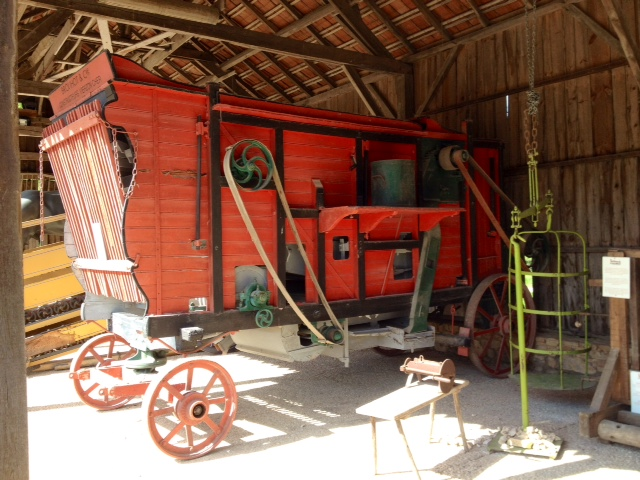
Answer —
195 437
89 350
496 334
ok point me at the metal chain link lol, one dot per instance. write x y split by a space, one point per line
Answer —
41 190
533 97
114 145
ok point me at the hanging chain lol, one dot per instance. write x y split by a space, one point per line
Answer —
114 145
41 191
533 97
533 101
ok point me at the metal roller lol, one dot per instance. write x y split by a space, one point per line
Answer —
447 154
442 372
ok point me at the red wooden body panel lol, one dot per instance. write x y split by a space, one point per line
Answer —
342 275
237 247
488 246
160 215
450 259
322 157
307 229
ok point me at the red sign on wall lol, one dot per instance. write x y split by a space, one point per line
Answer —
89 80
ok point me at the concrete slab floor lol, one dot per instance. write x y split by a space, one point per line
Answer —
298 421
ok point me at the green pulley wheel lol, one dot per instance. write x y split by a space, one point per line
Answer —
264 318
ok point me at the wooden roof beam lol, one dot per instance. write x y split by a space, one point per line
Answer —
362 90
595 27
389 24
105 34
144 43
316 35
157 57
481 16
432 19
48 60
492 29
439 78
293 27
41 31
273 85
172 8
270 56
626 41
32 88
358 29
242 37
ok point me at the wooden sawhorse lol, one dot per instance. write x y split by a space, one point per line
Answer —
406 401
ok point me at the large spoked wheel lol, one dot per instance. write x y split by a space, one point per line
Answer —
190 409
101 350
491 329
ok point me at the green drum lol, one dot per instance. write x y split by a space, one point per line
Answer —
393 183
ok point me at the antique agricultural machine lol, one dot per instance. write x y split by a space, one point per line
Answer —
206 219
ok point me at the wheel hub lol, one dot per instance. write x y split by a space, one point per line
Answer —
192 408
504 324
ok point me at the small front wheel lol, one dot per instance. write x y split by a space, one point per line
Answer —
101 350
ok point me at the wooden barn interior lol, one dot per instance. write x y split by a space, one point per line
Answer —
453 61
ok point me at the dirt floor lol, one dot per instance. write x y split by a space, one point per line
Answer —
298 421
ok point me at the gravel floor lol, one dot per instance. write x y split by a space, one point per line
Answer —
298 421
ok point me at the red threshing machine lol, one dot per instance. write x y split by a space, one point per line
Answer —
199 218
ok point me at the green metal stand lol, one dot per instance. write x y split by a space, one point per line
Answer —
522 277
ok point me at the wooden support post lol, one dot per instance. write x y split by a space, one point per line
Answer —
600 409
14 448
619 327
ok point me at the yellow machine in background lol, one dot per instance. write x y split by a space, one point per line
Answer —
52 300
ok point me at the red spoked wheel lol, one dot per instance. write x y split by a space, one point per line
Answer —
191 408
491 327
103 350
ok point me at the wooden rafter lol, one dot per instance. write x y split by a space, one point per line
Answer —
489 31
595 27
626 41
439 78
33 88
144 43
481 16
296 26
382 102
33 38
157 57
316 35
270 56
243 37
47 62
358 29
389 24
432 19
180 70
362 90
256 71
105 34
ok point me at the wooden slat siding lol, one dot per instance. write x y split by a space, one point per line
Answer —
160 230
237 246
632 170
328 159
307 229
342 275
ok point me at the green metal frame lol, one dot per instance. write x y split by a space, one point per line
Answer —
517 305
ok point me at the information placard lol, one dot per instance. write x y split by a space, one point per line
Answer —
616 277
